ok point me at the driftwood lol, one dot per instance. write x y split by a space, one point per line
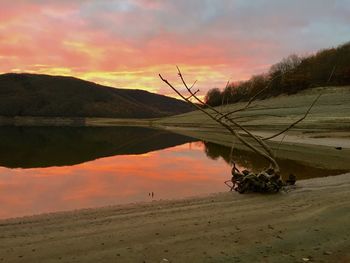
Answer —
263 182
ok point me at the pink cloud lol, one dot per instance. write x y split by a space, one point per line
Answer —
95 39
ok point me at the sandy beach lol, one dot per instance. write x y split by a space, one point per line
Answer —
307 224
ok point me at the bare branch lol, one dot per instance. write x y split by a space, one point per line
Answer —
306 113
296 122
268 156
258 140
194 83
192 95
279 145
250 116
252 99
331 75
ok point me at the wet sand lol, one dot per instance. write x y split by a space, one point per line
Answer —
307 224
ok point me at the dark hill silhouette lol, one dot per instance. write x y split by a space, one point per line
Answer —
43 95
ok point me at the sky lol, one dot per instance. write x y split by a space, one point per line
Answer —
127 43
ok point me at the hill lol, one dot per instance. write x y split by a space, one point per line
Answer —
327 67
43 95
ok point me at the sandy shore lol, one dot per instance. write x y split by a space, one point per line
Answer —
309 223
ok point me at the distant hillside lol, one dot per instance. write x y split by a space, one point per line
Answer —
328 67
43 95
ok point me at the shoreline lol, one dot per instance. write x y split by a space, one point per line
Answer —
222 227
309 182
299 147
308 146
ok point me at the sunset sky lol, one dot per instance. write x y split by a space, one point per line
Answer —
126 43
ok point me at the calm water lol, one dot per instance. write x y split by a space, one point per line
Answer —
56 169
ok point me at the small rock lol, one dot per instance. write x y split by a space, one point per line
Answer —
305 259
338 148
164 260
327 253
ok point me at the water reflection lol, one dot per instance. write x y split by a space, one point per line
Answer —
32 147
55 169
131 171
253 162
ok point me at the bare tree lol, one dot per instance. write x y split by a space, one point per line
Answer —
287 64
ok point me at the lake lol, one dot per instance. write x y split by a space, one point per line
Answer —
57 169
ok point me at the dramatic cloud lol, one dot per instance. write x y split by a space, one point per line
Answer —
127 43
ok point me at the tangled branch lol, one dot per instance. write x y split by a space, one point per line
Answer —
225 122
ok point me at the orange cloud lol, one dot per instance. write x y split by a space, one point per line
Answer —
58 41
127 43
